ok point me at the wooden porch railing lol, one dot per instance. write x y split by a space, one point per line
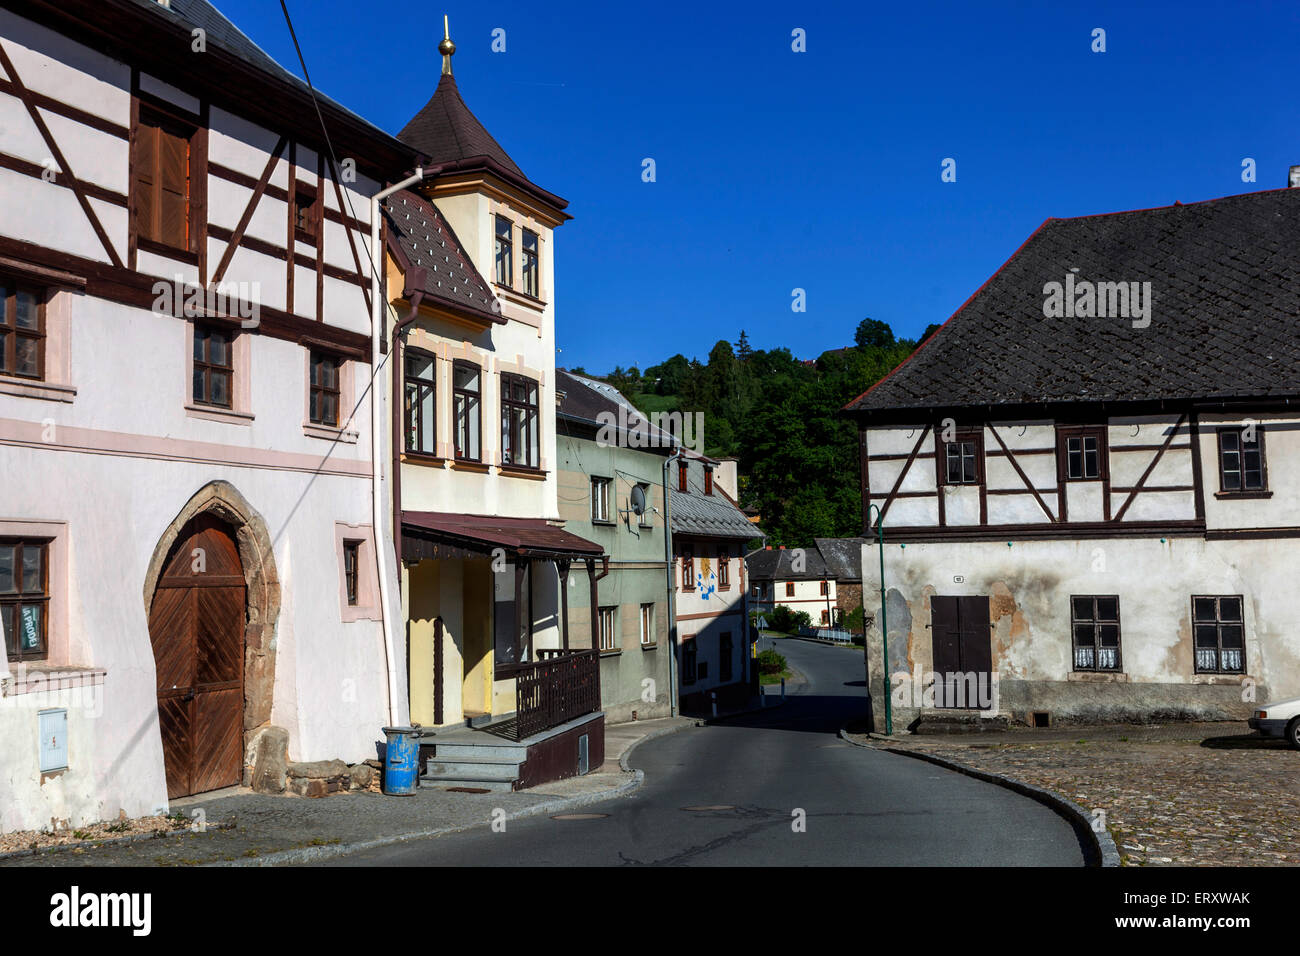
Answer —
559 686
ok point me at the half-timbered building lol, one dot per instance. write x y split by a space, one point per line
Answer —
189 574
1085 479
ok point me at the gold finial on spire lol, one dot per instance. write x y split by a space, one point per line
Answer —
446 47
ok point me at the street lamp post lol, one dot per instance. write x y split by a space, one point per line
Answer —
884 619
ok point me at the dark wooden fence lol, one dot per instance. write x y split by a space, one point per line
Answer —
558 687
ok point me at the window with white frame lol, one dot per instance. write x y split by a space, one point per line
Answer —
530 261
600 499
519 421
608 636
505 273
647 624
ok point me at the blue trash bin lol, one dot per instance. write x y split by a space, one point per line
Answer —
402 763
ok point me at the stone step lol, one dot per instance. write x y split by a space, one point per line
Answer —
469 767
495 749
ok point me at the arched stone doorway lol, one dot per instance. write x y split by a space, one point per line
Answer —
233 640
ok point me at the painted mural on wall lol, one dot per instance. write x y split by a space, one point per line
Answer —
703 577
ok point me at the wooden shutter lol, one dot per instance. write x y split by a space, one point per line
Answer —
173 189
144 165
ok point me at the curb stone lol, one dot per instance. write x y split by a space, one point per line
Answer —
653 735
1102 844
798 681
110 841
314 854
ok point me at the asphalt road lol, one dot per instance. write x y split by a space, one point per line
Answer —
762 776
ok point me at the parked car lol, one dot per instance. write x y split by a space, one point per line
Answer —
1279 720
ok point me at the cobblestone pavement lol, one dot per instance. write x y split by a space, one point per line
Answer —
1179 794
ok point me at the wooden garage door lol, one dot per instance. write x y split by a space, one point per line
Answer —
963 654
196 626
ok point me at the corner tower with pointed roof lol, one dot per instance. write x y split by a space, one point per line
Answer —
472 296
466 158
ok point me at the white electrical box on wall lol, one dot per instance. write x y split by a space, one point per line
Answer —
54 740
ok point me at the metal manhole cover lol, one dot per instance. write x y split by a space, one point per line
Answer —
580 816
711 806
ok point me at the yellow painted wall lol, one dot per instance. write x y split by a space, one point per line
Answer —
422 607
478 604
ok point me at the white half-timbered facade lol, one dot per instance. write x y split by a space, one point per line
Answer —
189 572
1096 517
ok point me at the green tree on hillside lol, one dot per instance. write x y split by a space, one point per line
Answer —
798 453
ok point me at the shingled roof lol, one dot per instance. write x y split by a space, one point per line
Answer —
433 260
843 557
592 403
707 516
450 135
1225 313
777 564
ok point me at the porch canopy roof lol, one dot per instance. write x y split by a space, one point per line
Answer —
435 534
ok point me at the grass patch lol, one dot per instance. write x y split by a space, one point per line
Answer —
649 403
772 667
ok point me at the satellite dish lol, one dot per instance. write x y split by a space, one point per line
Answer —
637 500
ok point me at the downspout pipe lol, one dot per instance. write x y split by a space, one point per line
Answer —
668 567
377 407
395 357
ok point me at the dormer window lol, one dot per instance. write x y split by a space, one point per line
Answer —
530 263
504 259
682 474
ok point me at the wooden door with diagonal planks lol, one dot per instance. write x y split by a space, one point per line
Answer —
196 626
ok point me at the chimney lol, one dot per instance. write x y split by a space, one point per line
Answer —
724 476
1293 180
767 547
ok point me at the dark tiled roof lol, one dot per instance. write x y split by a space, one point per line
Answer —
710 516
585 401
843 557
1225 284
450 135
778 565
446 131
433 259
220 32
486 532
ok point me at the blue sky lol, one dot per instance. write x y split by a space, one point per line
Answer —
819 170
